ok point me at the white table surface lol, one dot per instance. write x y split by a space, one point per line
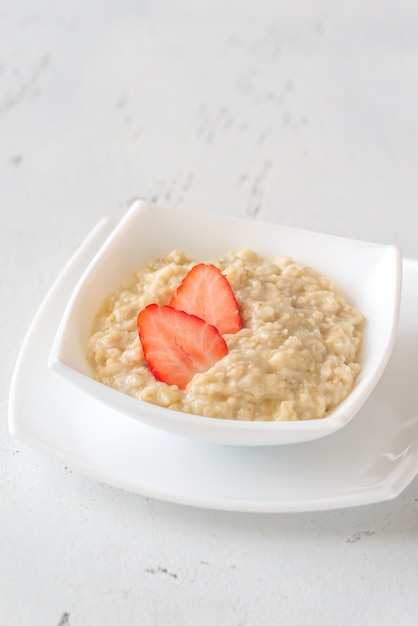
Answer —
303 113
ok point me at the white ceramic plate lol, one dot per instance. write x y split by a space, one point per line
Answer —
370 460
368 273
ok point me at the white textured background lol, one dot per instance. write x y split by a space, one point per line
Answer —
299 112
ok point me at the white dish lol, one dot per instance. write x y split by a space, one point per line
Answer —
368 273
372 459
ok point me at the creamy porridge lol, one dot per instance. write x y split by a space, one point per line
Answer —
296 357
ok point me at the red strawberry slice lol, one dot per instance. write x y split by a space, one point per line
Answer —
206 292
177 345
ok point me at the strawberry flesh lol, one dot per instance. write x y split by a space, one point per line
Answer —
206 293
177 345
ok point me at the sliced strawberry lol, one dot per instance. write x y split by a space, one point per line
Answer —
177 345
206 292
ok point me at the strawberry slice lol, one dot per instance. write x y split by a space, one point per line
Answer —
177 345
206 292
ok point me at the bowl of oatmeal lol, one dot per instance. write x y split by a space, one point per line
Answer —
314 323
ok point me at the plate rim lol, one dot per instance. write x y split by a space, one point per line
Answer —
375 493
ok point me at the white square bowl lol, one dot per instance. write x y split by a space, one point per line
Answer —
368 273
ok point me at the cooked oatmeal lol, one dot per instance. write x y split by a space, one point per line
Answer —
296 357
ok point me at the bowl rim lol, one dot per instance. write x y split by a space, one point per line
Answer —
204 426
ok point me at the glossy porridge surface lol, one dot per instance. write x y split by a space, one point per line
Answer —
296 357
